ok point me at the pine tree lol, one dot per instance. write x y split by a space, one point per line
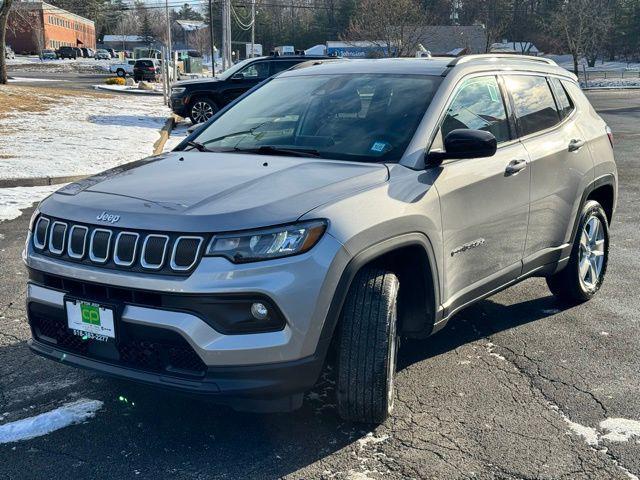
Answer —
146 30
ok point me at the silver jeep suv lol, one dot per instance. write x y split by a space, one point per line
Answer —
340 203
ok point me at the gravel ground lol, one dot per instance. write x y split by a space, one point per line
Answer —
517 387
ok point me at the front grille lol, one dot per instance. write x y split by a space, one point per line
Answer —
146 348
136 251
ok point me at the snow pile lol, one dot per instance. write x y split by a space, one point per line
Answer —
80 65
45 423
620 429
14 200
80 135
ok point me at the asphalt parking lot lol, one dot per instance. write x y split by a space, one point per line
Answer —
516 387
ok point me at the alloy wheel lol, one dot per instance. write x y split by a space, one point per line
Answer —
591 253
201 112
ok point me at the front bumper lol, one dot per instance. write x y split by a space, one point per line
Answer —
273 363
179 105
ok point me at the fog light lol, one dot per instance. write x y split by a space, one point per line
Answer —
259 311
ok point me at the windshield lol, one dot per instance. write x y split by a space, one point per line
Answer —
370 117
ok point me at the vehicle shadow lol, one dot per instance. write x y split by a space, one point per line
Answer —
478 321
161 433
143 121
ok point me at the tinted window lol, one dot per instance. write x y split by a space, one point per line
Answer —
478 105
565 105
534 104
361 117
280 66
256 71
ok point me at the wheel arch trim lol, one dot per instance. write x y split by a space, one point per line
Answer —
365 257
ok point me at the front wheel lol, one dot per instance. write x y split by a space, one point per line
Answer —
121 73
368 346
202 110
581 279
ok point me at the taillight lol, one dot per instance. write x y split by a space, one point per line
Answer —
151 69
610 135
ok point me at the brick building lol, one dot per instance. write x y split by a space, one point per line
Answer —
34 26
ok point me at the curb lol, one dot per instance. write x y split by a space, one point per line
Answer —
164 135
129 92
46 181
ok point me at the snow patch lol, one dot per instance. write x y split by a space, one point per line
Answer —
27 79
14 200
620 429
371 439
80 135
590 435
45 423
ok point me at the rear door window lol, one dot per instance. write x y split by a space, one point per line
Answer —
281 65
534 105
478 104
565 105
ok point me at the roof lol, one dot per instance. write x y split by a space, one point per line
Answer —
50 9
191 25
514 47
122 38
430 66
440 39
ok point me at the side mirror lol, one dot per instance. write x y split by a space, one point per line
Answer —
465 143
238 76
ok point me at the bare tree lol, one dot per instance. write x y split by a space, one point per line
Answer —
127 25
583 26
5 6
394 27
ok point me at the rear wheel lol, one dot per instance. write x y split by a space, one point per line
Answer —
581 279
202 109
367 347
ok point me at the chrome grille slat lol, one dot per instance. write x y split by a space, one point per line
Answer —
54 239
196 254
116 257
92 256
143 255
116 248
40 245
70 250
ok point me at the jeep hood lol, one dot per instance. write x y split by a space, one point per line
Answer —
201 192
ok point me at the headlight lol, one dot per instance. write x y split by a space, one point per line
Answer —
265 244
34 217
177 90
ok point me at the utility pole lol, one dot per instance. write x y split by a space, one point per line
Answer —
253 26
169 55
211 36
226 34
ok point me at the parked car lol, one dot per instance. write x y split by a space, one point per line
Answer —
340 203
102 55
68 52
146 69
122 69
200 99
9 53
87 52
48 54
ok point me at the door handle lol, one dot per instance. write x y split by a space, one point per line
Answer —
576 144
515 166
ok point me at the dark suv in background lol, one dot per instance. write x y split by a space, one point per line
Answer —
200 99
68 52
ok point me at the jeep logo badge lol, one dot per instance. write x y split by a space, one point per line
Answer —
108 217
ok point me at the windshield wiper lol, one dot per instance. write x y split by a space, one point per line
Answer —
198 146
274 150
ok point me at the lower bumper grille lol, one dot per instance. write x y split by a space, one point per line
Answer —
145 348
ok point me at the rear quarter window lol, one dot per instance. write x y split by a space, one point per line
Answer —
534 105
565 105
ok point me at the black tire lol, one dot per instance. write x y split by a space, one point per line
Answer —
137 79
567 284
367 347
121 73
199 105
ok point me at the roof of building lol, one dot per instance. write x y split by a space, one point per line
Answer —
39 5
440 39
122 38
514 47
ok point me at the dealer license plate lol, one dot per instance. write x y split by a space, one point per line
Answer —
90 320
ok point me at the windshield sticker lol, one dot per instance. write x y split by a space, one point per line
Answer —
379 147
